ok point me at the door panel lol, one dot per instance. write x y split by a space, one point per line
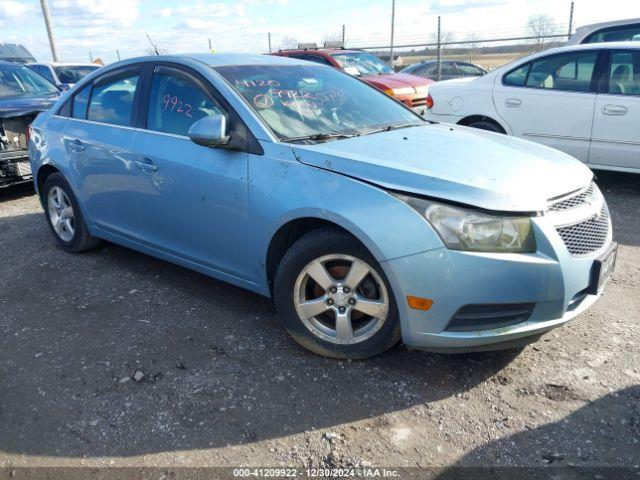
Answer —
192 200
99 151
616 124
101 157
549 101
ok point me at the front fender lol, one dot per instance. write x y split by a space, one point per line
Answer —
385 225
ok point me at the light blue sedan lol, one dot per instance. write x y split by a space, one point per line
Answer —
364 222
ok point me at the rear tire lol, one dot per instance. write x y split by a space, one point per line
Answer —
349 313
65 217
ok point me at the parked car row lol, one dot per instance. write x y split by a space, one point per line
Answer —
365 222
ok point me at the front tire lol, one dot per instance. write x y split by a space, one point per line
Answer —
334 299
64 216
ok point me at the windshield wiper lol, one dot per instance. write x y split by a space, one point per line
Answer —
321 137
388 128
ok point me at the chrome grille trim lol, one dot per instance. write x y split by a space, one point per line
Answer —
587 237
575 200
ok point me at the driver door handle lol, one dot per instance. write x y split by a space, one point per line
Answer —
513 102
145 164
615 110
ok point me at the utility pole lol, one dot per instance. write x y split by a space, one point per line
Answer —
47 22
393 21
343 36
571 20
118 53
209 44
439 51
269 39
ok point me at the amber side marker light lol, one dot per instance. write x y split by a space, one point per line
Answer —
418 303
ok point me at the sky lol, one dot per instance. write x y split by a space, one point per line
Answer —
87 29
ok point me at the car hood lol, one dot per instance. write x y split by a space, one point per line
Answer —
458 164
17 106
397 80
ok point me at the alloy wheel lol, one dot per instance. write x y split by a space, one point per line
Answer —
61 214
341 299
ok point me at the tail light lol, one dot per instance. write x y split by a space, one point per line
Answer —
429 102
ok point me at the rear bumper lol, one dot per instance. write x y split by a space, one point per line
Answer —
554 283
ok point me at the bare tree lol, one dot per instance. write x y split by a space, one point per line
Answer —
289 43
540 27
471 43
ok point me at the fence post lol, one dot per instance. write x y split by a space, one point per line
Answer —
570 20
343 36
393 21
269 38
439 52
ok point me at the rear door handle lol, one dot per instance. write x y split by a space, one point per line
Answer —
513 102
76 146
615 110
146 164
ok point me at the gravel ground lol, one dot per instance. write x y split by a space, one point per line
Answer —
223 385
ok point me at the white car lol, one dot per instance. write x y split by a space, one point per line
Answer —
63 75
616 31
583 100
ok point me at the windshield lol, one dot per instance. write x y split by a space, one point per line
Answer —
361 63
73 74
18 81
300 100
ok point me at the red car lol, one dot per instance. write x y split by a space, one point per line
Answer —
409 89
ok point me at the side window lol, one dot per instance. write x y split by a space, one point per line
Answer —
469 70
81 102
112 101
176 101
46 73
620 33
318 59
517 77
624 75
568 71
448 68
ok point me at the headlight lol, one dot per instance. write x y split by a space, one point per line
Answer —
399 91
471 230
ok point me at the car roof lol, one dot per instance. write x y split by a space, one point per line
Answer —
231 59
326 51
66 64
590 46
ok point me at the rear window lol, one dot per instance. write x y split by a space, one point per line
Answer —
112 102
620 33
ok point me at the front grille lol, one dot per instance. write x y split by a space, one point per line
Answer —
588 236
489 316
574 201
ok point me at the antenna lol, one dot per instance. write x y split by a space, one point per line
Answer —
155 49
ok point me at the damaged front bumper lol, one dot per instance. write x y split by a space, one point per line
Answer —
14 156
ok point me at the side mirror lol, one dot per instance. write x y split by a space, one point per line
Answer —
210 131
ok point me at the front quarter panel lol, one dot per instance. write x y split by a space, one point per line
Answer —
283 189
